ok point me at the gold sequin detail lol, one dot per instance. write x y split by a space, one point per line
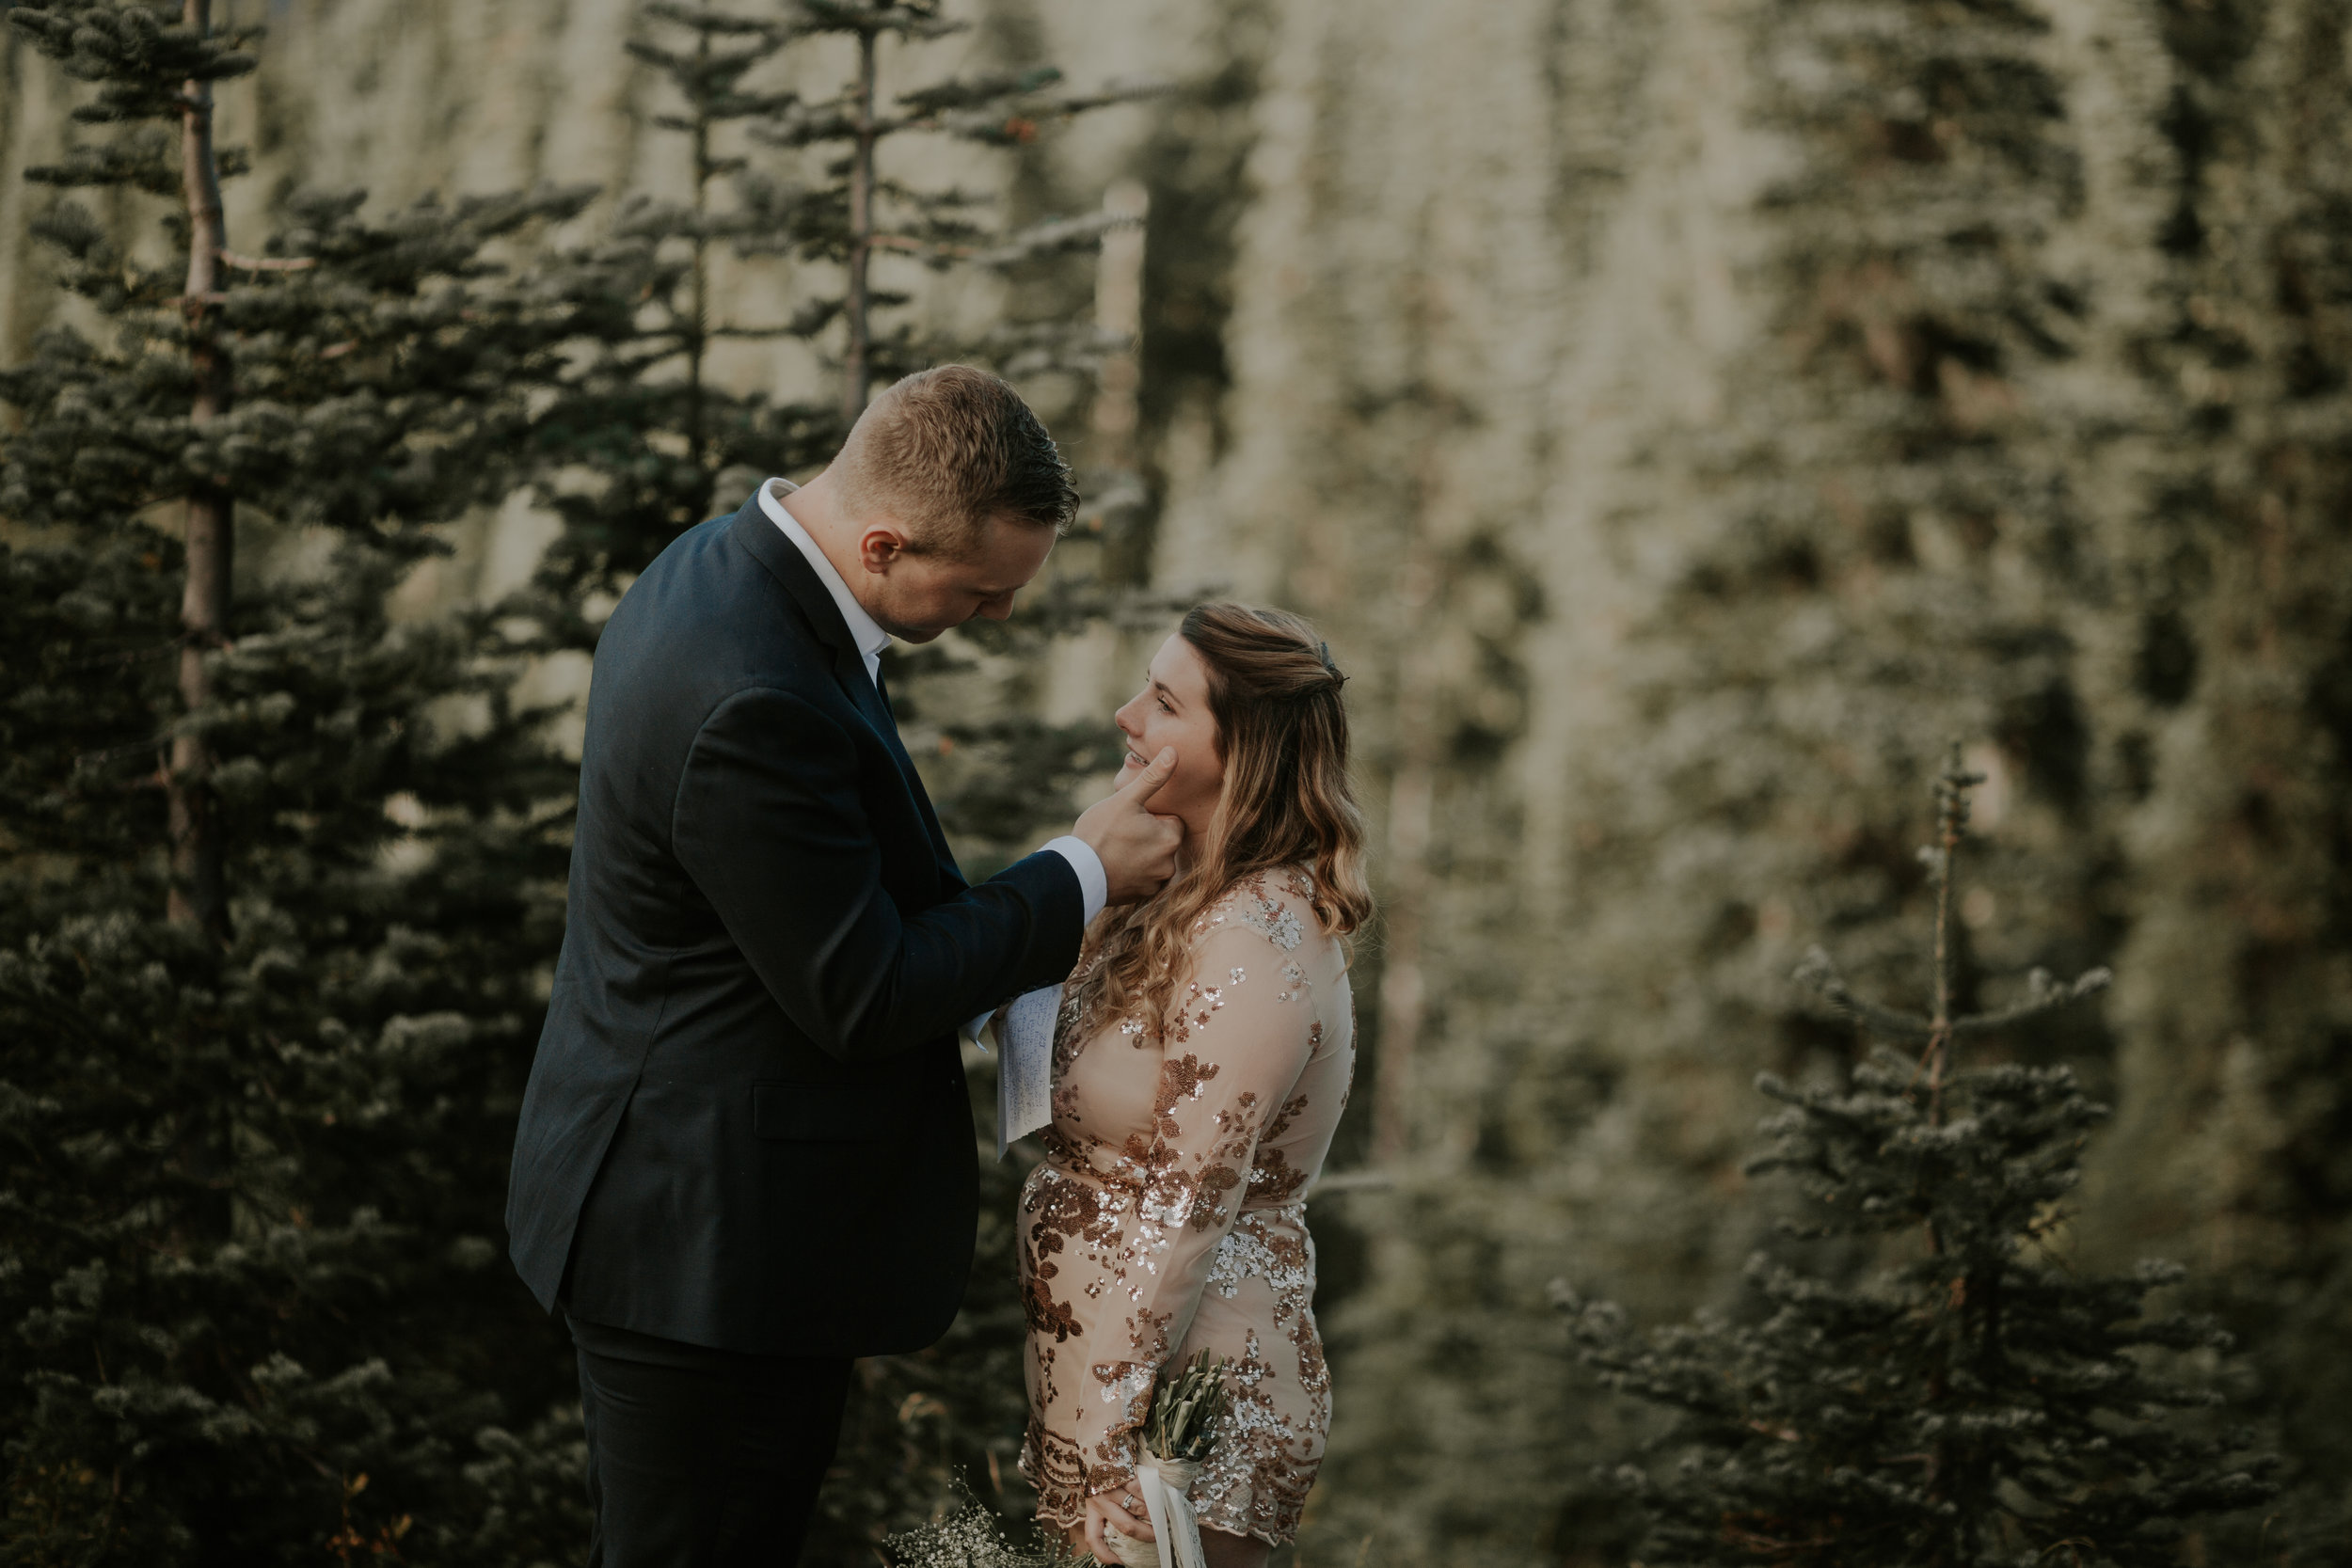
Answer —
1166 1219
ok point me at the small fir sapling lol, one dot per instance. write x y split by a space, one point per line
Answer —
1971 1400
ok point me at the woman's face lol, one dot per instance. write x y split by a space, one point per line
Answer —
1172 709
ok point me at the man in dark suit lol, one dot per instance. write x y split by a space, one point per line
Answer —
746 1154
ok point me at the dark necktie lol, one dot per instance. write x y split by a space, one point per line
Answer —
914 780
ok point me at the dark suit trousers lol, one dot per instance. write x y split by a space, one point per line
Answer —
701 1458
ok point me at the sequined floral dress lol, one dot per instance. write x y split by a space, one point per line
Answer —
1167 1217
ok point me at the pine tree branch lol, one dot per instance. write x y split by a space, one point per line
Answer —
2044 994
268 263
877 17
1820 972
1051 237
198 895
910 246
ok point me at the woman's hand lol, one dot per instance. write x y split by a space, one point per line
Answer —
1120 1509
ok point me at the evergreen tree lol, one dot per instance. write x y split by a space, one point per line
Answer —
642 410
647 413
277 882
1765 620
2231 531
854 213
998 773
1974 1399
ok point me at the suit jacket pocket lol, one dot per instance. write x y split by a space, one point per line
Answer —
818 1112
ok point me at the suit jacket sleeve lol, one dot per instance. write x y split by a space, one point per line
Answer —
768 824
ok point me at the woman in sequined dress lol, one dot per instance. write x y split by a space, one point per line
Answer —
1200 1063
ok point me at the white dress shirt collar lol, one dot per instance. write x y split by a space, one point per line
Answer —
868 636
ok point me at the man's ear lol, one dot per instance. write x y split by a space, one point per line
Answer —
879 545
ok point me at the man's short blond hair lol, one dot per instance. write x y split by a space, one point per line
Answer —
948 451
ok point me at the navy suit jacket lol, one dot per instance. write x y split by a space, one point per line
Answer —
747 1126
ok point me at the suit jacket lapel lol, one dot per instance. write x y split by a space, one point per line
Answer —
767 545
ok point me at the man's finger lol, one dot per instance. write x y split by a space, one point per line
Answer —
1147 784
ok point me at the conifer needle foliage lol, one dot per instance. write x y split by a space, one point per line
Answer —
800 194
277 871
281 870
1972 1400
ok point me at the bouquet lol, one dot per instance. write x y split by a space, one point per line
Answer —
1177 1437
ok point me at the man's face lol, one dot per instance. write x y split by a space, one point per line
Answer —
915 596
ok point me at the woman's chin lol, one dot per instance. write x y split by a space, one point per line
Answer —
1127 771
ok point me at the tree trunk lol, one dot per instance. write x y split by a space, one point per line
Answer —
698 331
856 361
1403 987
1405 890
198 896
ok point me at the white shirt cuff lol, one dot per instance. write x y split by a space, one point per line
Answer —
1094 883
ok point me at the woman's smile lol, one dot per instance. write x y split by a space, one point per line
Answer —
1172 710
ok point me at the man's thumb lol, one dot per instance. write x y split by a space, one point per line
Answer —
1146 783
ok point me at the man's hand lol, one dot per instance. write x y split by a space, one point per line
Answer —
1137 849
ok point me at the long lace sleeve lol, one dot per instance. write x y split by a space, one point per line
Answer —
1241 1031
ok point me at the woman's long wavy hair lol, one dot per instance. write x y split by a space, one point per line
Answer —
1281 733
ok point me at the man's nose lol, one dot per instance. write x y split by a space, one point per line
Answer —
997 609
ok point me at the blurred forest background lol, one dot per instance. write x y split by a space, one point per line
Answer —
1684 417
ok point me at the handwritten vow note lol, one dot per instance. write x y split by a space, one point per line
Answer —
1024 1078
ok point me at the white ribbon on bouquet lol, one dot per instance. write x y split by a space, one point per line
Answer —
1165 1485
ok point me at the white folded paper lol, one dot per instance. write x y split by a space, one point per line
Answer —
1025 1066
